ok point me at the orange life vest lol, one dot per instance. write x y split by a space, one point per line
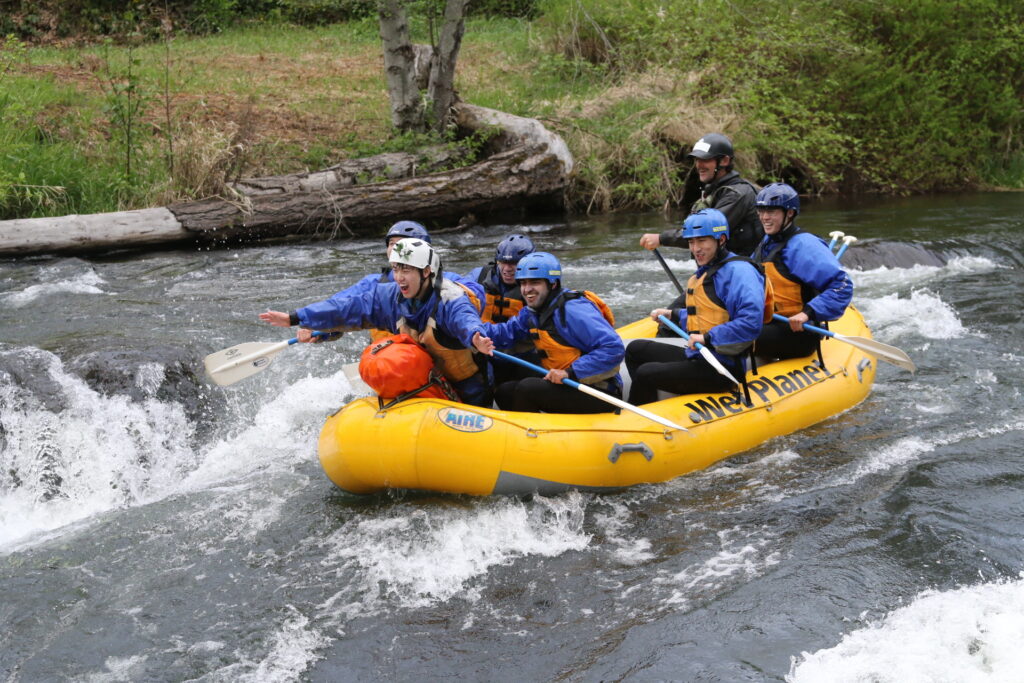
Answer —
705 310
398 368
498 307
453 360
554 351
791 294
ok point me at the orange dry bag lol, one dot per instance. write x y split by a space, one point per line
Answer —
398 368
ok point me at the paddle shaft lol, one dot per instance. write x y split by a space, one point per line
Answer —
889 354
591 391
268 351
668 271
847 241
705 352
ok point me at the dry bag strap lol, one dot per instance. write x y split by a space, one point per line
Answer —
436 379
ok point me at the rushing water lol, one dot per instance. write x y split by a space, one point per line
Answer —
154 527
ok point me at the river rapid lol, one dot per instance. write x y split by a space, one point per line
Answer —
155 527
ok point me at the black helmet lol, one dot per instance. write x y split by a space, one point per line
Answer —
712 146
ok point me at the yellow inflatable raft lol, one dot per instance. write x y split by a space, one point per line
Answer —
438 445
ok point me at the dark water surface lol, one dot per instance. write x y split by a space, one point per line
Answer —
153 527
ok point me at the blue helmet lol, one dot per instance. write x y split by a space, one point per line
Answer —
705 223
407 229
779 195
513 248
539 265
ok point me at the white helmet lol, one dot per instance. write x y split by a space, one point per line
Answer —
417 253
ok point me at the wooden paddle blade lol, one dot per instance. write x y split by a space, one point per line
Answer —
241 361
890 354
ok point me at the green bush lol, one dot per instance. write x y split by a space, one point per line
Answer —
854 95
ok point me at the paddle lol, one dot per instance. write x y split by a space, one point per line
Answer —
835 235
668 271
881 351
847 241
244 360
595 393
705 352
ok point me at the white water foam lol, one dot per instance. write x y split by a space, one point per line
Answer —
742 553
923 314
86 283
417 559
965 635
885 278
102 453
902 452
627 547
119 670
98 453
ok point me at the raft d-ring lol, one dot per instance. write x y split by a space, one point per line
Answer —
531 433
620 448
667 434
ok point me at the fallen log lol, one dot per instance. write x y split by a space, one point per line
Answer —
512 179
528 171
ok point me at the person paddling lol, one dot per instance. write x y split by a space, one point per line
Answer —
722 188
808 283
504 300
440 314
724 309
574 335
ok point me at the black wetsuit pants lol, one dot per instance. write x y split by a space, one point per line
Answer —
536 394
653 366
777 340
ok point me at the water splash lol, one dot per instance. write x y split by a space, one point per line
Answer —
968 634
86 283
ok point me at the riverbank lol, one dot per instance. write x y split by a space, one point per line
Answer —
831 101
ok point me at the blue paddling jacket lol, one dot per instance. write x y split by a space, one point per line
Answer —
805 274
573 324
733 289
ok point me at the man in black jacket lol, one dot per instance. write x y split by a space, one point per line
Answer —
722 189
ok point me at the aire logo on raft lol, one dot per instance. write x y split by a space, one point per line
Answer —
463 420
763 387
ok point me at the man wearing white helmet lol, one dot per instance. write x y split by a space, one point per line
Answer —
440 314
398 231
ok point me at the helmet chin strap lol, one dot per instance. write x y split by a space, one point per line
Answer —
423 279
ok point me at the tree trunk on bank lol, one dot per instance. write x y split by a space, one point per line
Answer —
529 172
441 89
399 69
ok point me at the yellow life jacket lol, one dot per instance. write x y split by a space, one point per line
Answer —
554 351
791 294
705 310
454 360
498 307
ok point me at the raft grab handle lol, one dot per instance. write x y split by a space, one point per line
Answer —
620 448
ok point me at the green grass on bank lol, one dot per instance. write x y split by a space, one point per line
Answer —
851 96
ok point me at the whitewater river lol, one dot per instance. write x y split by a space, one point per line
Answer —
157 528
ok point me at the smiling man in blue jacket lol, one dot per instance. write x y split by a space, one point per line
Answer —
440 314
808 283
724 310
572 332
